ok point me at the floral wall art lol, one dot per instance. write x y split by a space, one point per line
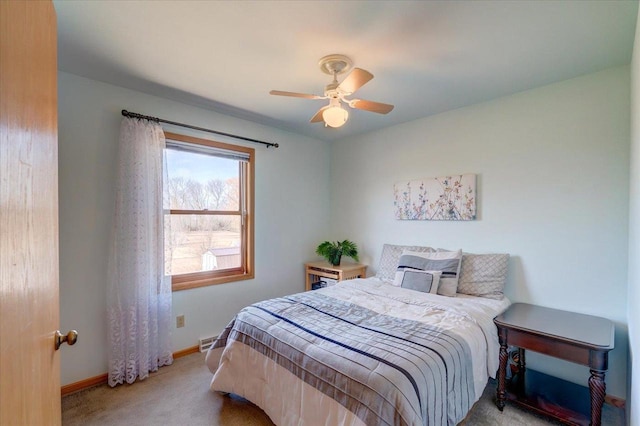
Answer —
441 198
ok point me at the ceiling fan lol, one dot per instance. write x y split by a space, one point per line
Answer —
334 115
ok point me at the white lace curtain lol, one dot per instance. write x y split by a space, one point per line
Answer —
139 293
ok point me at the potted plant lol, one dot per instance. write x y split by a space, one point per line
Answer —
333 252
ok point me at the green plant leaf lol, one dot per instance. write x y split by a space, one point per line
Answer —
332 251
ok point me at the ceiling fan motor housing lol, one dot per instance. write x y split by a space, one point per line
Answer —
331 90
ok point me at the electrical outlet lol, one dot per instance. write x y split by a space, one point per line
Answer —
180 321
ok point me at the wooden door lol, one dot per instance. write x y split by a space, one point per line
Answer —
29 310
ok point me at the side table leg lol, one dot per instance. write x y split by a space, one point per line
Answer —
597 389
522 366
502 374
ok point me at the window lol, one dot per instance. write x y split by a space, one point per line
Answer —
208 198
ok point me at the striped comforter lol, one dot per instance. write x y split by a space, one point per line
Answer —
349 363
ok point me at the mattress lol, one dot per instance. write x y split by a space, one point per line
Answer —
359 353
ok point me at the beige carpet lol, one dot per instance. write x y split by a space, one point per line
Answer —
179 395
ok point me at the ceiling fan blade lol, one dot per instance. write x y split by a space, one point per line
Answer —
355 80
378 107
318 117
295 95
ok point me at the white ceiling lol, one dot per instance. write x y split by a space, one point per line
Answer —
427 57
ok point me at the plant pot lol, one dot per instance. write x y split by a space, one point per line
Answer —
335 260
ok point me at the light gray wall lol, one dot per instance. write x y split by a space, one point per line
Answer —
633 400
292 198
553 191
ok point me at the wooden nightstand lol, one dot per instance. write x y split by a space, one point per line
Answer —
583 339
345 271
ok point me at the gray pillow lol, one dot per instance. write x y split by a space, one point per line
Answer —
423 281
390 258
483 275
451 260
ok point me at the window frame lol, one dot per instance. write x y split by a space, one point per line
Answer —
246 212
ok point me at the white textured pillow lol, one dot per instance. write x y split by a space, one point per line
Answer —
413 279
483 275
391 256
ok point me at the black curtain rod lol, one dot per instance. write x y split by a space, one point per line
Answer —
188 126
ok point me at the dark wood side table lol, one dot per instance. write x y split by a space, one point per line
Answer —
583 339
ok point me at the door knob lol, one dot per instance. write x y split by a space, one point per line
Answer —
71 338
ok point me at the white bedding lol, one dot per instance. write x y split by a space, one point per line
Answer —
462 313
290 401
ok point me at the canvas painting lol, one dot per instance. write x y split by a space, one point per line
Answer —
441 198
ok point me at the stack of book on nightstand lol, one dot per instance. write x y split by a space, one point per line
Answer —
324 282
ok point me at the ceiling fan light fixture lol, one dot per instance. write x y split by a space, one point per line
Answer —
335 116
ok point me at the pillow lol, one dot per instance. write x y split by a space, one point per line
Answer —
447 262
413 279
390 258
483 275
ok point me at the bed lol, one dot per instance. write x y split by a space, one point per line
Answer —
362 352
